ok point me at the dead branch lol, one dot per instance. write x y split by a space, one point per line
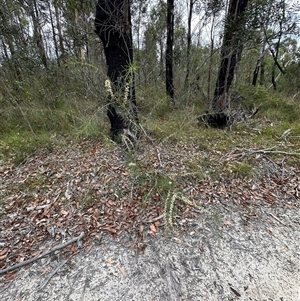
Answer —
155 219
243 153
276 218
52 274
23 263
46 206
277 152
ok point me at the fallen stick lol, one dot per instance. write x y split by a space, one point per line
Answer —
46 206
52 274
155 219
275 217
21 264
234 155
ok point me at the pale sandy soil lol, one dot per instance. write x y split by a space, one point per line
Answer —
222 257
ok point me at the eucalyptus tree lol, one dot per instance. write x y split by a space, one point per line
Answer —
139 11
34 11
169 50
152 51
230 52
10 36
189 42
113 26
277 20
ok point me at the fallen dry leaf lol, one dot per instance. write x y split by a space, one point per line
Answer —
3 252
3 257
64 212
10 276
90 188
110 261
227 224
153 229
122 271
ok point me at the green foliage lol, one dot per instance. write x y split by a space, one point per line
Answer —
274 106
62 102
289 83
242 169
19 145
91 128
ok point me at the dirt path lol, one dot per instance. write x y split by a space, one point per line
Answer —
244 245
221 257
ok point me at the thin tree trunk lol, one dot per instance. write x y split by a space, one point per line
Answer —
169 50
258 66
210 60
37 31
262 73
161 58
53 30
59 31
8 41
39 36
78 39
230 52
188 46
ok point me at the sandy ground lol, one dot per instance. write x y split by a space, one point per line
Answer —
223 256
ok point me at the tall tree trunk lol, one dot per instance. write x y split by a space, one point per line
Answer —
53 30
8 42
210 63
258 66
275 54
262 73
188 45
230 52
59 31
37 31
113 26
169 49
78 38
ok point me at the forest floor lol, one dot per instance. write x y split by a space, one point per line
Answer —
169 221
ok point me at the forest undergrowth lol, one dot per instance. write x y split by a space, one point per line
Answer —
61 175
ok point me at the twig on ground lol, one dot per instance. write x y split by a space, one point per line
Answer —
243 153
46 206
275 217
23 263
155 219
158 157
52 274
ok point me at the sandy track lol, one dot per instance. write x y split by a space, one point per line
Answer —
221 257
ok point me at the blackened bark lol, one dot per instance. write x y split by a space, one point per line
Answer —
275 54
259 66
188 46
113 26
262 73
118 124
169 49
230 52
255 74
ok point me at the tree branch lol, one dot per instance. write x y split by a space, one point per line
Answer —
23 263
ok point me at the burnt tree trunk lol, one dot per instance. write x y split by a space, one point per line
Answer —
230 52
259 66
169 49
113 26
188 44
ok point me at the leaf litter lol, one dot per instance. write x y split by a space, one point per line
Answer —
97 190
